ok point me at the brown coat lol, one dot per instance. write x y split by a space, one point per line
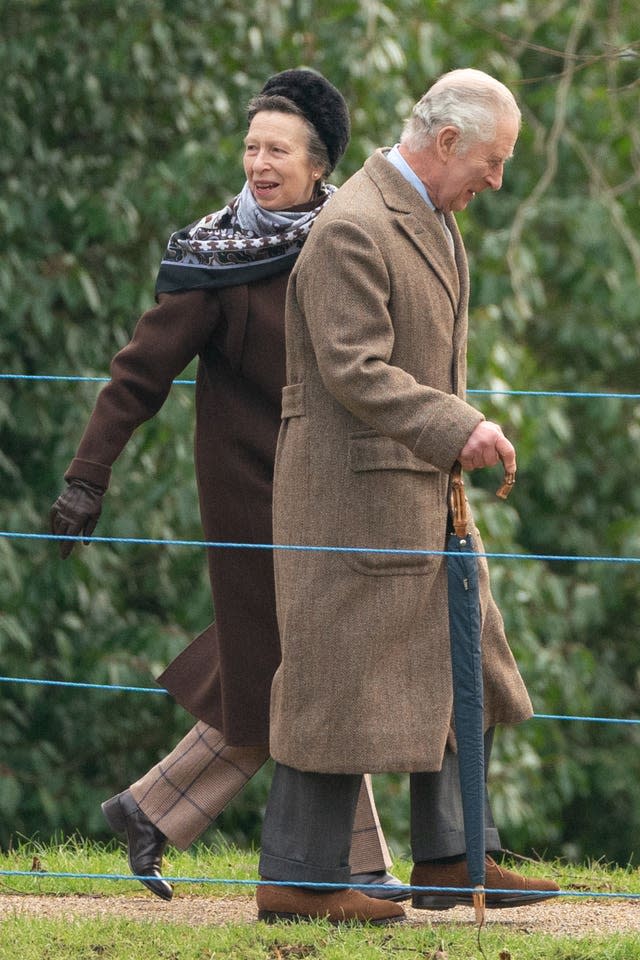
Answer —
224 676
374 417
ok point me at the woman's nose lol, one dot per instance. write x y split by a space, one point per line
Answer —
261 159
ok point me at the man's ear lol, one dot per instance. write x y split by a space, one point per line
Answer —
447 140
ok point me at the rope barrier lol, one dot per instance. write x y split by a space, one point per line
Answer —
71 379
575 394
223 544
60 875
307 548
119 688
122 688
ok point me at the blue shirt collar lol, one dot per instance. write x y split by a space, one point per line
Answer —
395 157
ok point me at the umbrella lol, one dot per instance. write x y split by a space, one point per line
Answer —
466 666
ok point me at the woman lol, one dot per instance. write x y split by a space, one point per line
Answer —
220 296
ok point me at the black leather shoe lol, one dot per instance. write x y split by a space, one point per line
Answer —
145 843
384 886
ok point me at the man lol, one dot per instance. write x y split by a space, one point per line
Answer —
374 418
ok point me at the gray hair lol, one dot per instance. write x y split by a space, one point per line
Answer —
469 100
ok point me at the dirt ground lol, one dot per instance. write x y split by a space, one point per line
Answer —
563 917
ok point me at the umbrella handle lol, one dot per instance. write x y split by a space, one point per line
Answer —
458 505
507 484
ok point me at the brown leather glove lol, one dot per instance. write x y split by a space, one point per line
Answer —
76 512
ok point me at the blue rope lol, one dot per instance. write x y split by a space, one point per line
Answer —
85 686
58 875
318 549
560 716
128 689
48 377
576 394
199 543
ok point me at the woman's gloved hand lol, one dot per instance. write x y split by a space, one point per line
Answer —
76 513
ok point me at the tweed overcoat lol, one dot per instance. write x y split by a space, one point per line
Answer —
374 417
224 676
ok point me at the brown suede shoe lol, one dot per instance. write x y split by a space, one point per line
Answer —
337 906
428 874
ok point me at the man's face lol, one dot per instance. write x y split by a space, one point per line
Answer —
480 167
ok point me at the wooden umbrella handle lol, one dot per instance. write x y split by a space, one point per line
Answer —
458 505
507 485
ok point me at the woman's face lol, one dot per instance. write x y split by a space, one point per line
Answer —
276 160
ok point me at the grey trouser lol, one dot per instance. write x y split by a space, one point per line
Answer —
308 822
184 793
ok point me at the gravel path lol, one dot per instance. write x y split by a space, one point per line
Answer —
559 917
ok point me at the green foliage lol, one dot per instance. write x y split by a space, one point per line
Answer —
122 121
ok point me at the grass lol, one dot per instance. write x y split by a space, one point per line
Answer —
116 938
127 940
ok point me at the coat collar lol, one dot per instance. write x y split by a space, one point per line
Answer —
422 226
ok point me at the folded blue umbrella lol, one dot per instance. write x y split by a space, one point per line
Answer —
465 627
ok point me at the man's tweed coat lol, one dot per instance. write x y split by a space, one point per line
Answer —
374 417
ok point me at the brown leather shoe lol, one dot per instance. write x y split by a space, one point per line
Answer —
337 906
428 874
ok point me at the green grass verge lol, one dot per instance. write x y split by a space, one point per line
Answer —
112 938
127 940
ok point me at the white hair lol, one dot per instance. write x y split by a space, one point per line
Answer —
469 100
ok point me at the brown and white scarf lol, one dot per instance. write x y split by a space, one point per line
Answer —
241 243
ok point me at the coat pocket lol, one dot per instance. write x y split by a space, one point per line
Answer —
373 452
394 502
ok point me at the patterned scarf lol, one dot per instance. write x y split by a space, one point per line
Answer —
241 243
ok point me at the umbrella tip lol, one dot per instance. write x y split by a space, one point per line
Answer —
478 898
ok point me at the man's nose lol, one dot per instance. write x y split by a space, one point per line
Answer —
494 178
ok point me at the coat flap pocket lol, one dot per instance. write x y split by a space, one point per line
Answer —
373 452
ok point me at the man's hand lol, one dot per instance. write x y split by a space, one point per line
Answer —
75 513
485 447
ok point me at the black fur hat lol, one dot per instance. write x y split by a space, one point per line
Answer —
320 102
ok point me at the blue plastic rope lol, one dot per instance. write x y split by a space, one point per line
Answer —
221 544
507 393
44 875
560 716
129 689
41 376
575 394
9 534
84 686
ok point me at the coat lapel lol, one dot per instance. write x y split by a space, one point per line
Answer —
420 225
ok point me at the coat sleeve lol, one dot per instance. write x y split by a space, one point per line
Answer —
165 340
342 290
